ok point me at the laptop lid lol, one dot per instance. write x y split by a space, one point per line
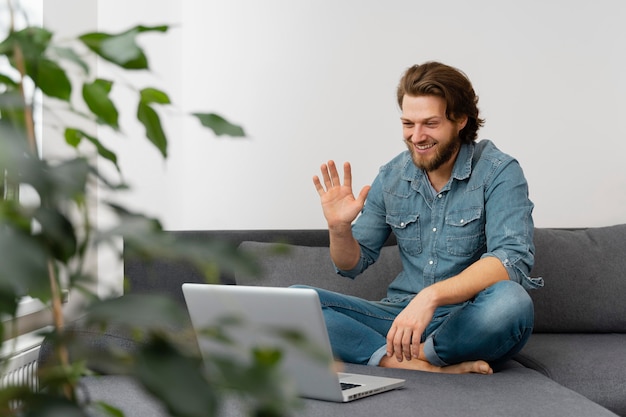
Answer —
266 317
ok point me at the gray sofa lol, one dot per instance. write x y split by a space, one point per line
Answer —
573 365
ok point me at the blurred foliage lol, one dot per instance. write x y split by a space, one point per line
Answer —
43 241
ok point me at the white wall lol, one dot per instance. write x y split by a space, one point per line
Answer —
312 80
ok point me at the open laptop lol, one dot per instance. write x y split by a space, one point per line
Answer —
264 314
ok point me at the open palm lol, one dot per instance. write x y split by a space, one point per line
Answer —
339 204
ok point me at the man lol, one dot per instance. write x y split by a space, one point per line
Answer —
463 222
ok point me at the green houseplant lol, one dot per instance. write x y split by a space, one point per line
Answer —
44 245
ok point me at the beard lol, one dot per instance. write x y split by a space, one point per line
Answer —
443 154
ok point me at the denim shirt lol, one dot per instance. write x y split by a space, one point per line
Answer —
483 210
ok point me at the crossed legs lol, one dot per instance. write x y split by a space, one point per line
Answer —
463 338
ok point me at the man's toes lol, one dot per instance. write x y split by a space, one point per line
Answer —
482 367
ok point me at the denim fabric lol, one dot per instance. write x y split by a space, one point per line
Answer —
493 326
484 210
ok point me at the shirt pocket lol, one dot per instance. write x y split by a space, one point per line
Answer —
406 227
465 231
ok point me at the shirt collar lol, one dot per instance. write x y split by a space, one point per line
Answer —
463 165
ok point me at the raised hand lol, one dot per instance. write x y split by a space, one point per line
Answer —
338 202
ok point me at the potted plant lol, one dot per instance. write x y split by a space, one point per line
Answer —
44 243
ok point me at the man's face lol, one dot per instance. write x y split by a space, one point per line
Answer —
432 139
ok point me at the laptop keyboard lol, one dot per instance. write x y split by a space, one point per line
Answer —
346 385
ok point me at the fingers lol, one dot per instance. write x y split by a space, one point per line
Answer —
318 185
391 335
330 177
403 344
415 347
326 177
334 175
329 174
347 174
406 345
394 343
363 194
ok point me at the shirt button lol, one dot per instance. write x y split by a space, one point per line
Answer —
402 224
430 262
462 221
434 229
439 195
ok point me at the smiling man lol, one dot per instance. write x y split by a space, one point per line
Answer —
463 222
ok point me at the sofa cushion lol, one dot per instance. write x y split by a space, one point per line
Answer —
516 392
585 280
312 266
593 365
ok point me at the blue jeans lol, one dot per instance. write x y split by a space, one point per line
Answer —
493 326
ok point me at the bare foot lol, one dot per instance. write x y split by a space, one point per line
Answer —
476 367
337 366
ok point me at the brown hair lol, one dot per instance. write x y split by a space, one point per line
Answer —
451 84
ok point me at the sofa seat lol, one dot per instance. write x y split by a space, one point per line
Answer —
590 364
573 365
515 391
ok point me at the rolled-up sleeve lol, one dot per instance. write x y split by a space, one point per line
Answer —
358 269
517 269
509 225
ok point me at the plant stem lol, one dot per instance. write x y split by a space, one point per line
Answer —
57 316
57 310
21 68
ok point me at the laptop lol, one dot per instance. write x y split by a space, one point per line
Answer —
264 315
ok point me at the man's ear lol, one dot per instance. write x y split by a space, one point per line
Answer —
461 122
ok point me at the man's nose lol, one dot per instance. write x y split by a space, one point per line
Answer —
417 133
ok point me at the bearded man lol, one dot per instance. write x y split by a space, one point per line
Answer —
462 218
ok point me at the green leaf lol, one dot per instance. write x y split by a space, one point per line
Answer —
57 233
108 409
24 262
32 41
66 180
6 46
8 302
178 380
153 95
154 131
13 138
75 136
265 356
45 73
121 49
70 178
8 81
50 78
219 125
150 119
96 96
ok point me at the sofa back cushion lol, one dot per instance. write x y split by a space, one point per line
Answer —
584 272
285 265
